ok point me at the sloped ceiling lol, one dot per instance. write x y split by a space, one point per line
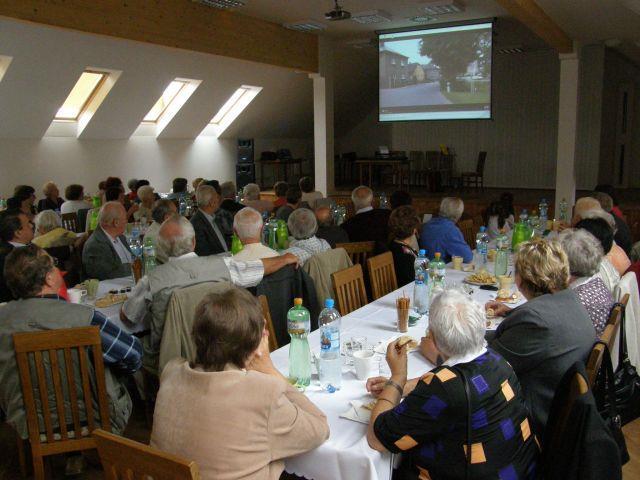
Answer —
47 62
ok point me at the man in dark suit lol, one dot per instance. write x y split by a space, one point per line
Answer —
106 253
210 234
15 231
228 194
368 223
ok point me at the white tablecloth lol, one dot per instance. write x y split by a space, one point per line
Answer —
113 312
346 454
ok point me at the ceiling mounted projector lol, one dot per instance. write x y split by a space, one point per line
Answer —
337 13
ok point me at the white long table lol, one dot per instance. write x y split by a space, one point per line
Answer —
346 454
113 312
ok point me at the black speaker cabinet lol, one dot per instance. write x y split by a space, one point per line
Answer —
245 150
245 173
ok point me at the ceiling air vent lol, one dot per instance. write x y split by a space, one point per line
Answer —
222 4
443 7
305 26
371 16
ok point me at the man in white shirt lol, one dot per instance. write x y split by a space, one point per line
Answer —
149 299
247 225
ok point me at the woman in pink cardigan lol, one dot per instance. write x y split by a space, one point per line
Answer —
232 411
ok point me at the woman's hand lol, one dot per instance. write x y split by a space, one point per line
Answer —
375 385
429 350
499 308
397 360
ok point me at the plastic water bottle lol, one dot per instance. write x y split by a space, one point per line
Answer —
482 245
282 235
502 255
298 326
563 207
93 219
524 216
3 204
330 365
182 205
543 213
149 253
420 286
135 246
384 203
437 270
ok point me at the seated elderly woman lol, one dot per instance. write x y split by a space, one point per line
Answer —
430 425
147 198
303 226
231 410
441 234
49 231
403 225
51 200
545 336
585 255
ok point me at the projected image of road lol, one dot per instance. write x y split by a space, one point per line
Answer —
436 74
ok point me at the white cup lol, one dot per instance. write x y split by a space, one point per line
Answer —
75 295
365 364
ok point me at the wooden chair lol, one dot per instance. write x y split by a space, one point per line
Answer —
468 232
125 459
382 275
476 178
70 221
273 340
348 285
50 355
358 251
594 361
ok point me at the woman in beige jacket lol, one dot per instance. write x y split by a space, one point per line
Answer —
232 411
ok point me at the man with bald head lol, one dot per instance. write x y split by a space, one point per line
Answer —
149 299
247 225
327 229
368 223
106 253
583 205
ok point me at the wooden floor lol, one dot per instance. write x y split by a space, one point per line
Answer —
138 430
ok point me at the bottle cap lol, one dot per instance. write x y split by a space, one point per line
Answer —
483 229
422 252
328 303
297 301
437 255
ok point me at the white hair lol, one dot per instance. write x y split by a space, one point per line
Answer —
204 195
145 190
302 224
110 212
583 250
362 197
457 323
451 208
176 243
251 191
47 220
248 223
600 213
228 190
46 188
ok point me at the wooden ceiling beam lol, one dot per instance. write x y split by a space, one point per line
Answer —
176 23
531 15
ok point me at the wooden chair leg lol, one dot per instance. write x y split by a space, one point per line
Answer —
22 455
38 466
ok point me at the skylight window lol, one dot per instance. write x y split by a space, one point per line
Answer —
233 107
170 94
81 95
4 65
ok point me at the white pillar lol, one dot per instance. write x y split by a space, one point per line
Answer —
567 129
323 118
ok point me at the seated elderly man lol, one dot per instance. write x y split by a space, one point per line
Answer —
430 426
162 210
35 281
228 194
441 234
15 231
368 224
585 254
150 297
251 194
247 224
210 238
327 229
106 253
49 231
302 227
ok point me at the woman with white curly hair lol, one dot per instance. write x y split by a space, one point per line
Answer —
49 231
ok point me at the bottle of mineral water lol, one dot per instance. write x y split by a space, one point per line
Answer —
437 270
563 208
482 246
420 287
384 203
330 366
298 326
182 205
149 253
543 214
524 216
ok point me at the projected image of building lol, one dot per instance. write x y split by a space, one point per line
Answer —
393 71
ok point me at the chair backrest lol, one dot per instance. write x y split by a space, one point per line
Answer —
382 275
273 340
466 227
348 285
124 459
594 361
320 267
358 251
70 221
482 158
82 219
176 339
57 370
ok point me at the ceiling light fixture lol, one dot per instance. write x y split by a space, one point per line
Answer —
422 19
222 4
305 26
371 16
443 7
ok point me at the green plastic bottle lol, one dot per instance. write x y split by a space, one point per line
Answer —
298 326
282 235
236 244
